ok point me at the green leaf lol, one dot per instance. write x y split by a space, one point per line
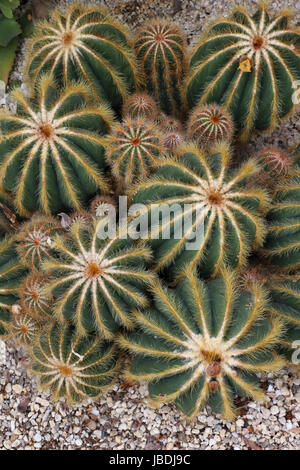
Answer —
6 6
7 57
9 29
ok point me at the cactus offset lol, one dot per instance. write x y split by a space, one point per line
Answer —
34 301
202 344
140 105
210 123
133 148
97 281
202 189
161 49
249 65
51 157
85 43
73 367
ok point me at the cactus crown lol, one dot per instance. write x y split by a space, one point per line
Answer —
161 48
133 148
73 367
228 213
84 42
97 281
202 343
140 105
41 160
249 64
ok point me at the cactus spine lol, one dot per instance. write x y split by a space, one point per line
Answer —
161 48
73 367
85 43
249 65
51 157
203 343
224 215
97 281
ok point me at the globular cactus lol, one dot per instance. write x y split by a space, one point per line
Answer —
72 367
34 301
282 244
24 329
140 105
101 206
51 157
173 141
85 43
161 49
202 343
210 123
97 280
12 273
133 148
208 215
249 65
35 240
283 300
170 124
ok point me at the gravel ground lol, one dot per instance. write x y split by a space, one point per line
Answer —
121 419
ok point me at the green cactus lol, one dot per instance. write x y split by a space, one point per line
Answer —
50 156
24 329
97 281
133 148
202 343
84 42
73 367
12 272
249 65
284 300
212 217
34 301
161 49
35 238
210 123
282 244
276 166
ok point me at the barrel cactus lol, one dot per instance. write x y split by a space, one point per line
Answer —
23 329
133 148
210 123
85 43
284 300
97 278
35 238
202 343
51 157
208 214
140 105
34 301
282 245
161 49
249 65
73 367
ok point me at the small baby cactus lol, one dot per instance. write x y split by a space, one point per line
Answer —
161 49
34 301
140 105
35 240
202 344
73 367
210 123
51 157
133 148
